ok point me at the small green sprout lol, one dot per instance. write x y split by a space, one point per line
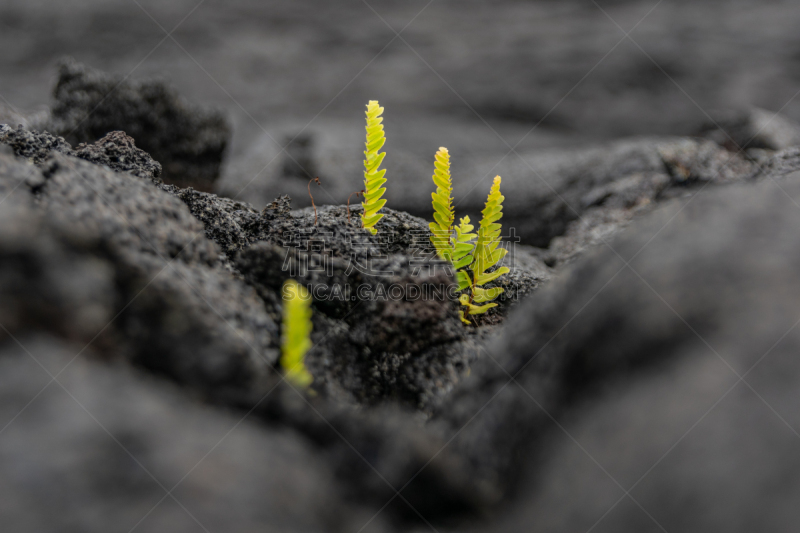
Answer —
486 255
454 248
296 334
443 214
373 178
462 253
458 248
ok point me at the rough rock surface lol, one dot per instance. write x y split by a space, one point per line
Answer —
615 369
627 177
779 164
124 211
409 349
47 279
82 261
629 181
118 152
100 449
396 332
187 140
221 217
752 128
172 290
612 399
33 146
176 310
547 191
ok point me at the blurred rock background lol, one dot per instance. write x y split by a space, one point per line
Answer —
475 76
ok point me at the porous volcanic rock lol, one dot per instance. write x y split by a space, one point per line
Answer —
746 129
184 315
117 267
547 191
118 152
188 141
103 446
395 333
34 146
664 365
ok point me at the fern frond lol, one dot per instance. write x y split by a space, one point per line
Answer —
443 214
373 177
454 248
462 252
473 309
296 339
487 254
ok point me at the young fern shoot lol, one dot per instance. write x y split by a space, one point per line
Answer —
443 214
456 249
373 177
462 252
486 255
296 339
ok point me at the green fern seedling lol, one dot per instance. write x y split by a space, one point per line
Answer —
443 214
486 255
457 247
462 251
373 177
462 257
296 334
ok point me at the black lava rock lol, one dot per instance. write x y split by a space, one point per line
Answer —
659 370
33 146
118 152
187 140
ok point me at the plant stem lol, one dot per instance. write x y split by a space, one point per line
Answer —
316 180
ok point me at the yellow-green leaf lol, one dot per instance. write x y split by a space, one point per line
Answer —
296 338
373 177
442 205
480 295
486 254
480 309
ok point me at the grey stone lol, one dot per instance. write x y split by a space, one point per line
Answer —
752 128
118 152
126 212
48 280
115 151
613 365
221 217
100 448
34 146
546 191
179 311
188 141
379 347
